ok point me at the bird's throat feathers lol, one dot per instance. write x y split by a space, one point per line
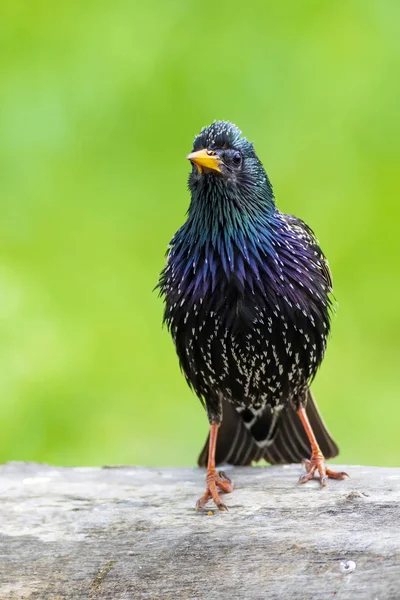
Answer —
222 251
225 207
227 227
244 260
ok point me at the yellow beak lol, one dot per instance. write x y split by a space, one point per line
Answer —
205 159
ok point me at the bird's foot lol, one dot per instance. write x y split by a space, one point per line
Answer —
215 480
317 463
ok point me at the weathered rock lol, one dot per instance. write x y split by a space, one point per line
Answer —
123 533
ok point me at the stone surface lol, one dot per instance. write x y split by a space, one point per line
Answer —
131 532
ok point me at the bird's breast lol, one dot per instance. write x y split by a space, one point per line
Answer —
253 354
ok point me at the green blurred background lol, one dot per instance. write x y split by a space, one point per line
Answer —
99 104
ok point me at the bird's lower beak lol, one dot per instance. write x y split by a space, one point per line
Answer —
205 159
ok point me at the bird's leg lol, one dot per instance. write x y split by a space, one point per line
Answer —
214 479
317 460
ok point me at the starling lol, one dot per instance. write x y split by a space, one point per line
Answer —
247 301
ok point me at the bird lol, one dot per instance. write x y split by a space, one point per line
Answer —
248 300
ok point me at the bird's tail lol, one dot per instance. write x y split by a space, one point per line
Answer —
279 438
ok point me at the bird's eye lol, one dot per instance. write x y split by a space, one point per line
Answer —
237 158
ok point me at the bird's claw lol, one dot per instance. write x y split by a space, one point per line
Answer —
224 477
215 480
317 463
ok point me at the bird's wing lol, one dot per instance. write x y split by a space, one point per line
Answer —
305 232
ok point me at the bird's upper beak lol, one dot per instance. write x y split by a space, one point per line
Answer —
205 159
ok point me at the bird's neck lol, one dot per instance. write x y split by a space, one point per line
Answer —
219 211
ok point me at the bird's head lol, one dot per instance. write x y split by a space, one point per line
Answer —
224 162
